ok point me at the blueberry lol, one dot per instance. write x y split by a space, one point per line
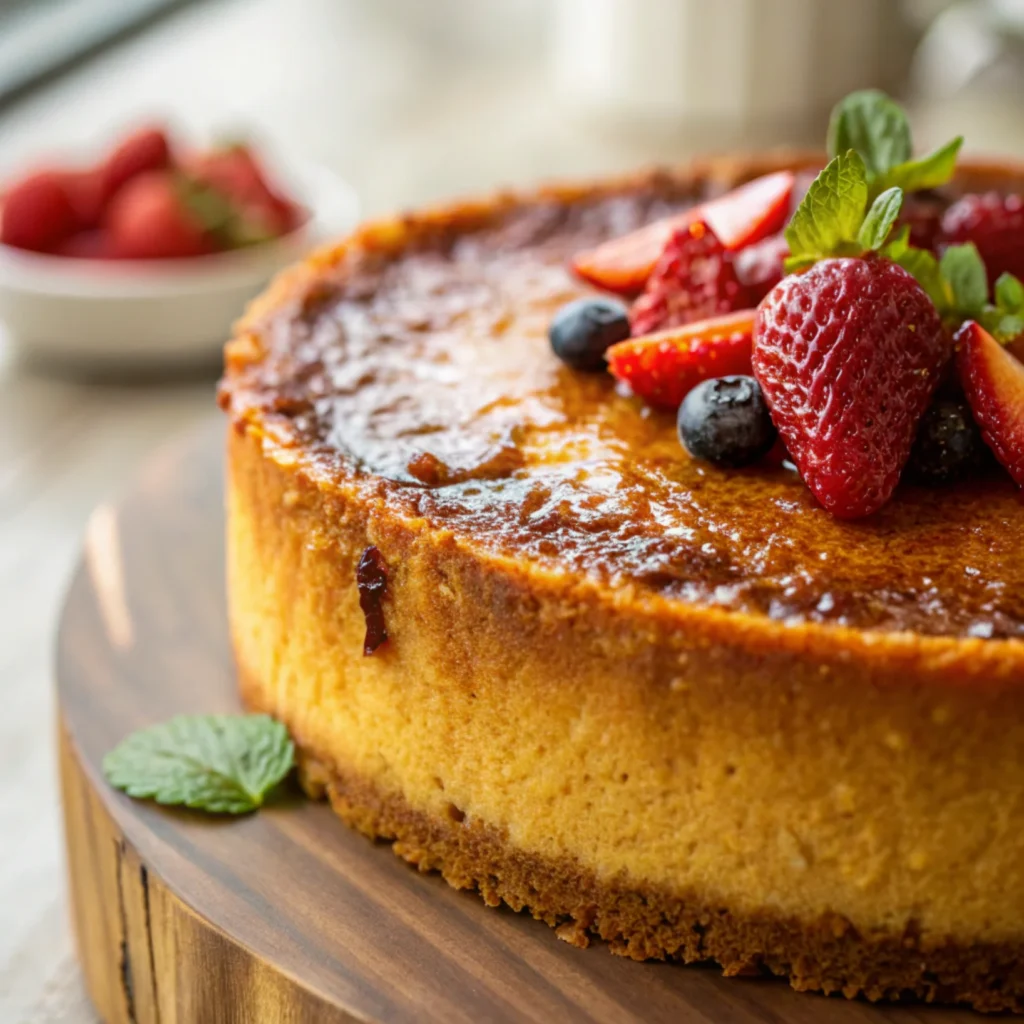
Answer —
582 331
948 446
726 421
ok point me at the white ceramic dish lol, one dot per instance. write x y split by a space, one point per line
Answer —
77 313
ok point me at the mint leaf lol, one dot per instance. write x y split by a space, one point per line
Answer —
898 244
924 267
1002 326
927 172
880 219
831 212
963 269
873 125
1009 294
224 764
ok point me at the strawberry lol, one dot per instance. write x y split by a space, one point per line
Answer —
993 381
760 267
37 212
694 279
88 245
848 355
739 218
663 368
85 190
995 224
144 150
150 218
236 173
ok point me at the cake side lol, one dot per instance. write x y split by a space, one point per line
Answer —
787 784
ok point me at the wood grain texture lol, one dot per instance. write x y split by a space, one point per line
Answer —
287 915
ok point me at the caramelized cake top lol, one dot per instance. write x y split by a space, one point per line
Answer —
415 359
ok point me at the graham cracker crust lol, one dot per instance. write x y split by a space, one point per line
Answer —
827 955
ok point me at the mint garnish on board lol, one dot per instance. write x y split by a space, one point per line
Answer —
224 764
877 129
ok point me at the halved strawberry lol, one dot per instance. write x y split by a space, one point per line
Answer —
993 381
663 368
739 218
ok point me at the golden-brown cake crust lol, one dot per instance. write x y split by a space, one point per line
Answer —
808 773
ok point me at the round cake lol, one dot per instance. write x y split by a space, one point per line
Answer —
517 632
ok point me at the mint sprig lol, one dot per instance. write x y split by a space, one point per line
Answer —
224 764
878 130
834 218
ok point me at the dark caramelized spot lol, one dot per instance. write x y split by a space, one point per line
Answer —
372 580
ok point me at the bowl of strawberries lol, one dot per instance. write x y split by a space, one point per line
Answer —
147 256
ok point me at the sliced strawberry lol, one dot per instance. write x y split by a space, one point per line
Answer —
751 212
739 218
37 212
993 381
694 279
663 368
848 356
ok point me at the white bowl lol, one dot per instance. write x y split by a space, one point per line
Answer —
120 314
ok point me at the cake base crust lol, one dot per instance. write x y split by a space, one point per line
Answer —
826 955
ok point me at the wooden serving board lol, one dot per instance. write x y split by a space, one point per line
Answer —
287 915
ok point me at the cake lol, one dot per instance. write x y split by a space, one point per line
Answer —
520 635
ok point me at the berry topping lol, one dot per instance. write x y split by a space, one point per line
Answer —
993 382
663 367
848 356
739 218
372 584
582 331
760 267
694 279
37 212
995 224
726 421
948 445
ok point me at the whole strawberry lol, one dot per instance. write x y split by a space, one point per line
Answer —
694 279
995 224
848 356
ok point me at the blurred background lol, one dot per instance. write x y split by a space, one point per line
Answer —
368 104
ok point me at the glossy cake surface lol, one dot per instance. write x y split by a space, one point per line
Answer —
681 708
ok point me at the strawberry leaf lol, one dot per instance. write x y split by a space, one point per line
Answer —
963 269
1009 294
832 211
924 268
880 219
873 125
929 171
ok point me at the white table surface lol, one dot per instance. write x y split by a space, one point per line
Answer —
405 116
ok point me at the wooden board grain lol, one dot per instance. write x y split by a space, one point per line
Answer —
287 916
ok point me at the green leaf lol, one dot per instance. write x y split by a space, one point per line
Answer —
880 219
898 244
924 267
929 171
1003 327
873 125
832 211
1009 294
963 269
219 763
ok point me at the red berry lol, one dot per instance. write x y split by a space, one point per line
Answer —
88 245
694 279
995 224
148 219
848 356
760 267
237 174
663 368
37 212
993 382
85 190
741 217
144 150
923 213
